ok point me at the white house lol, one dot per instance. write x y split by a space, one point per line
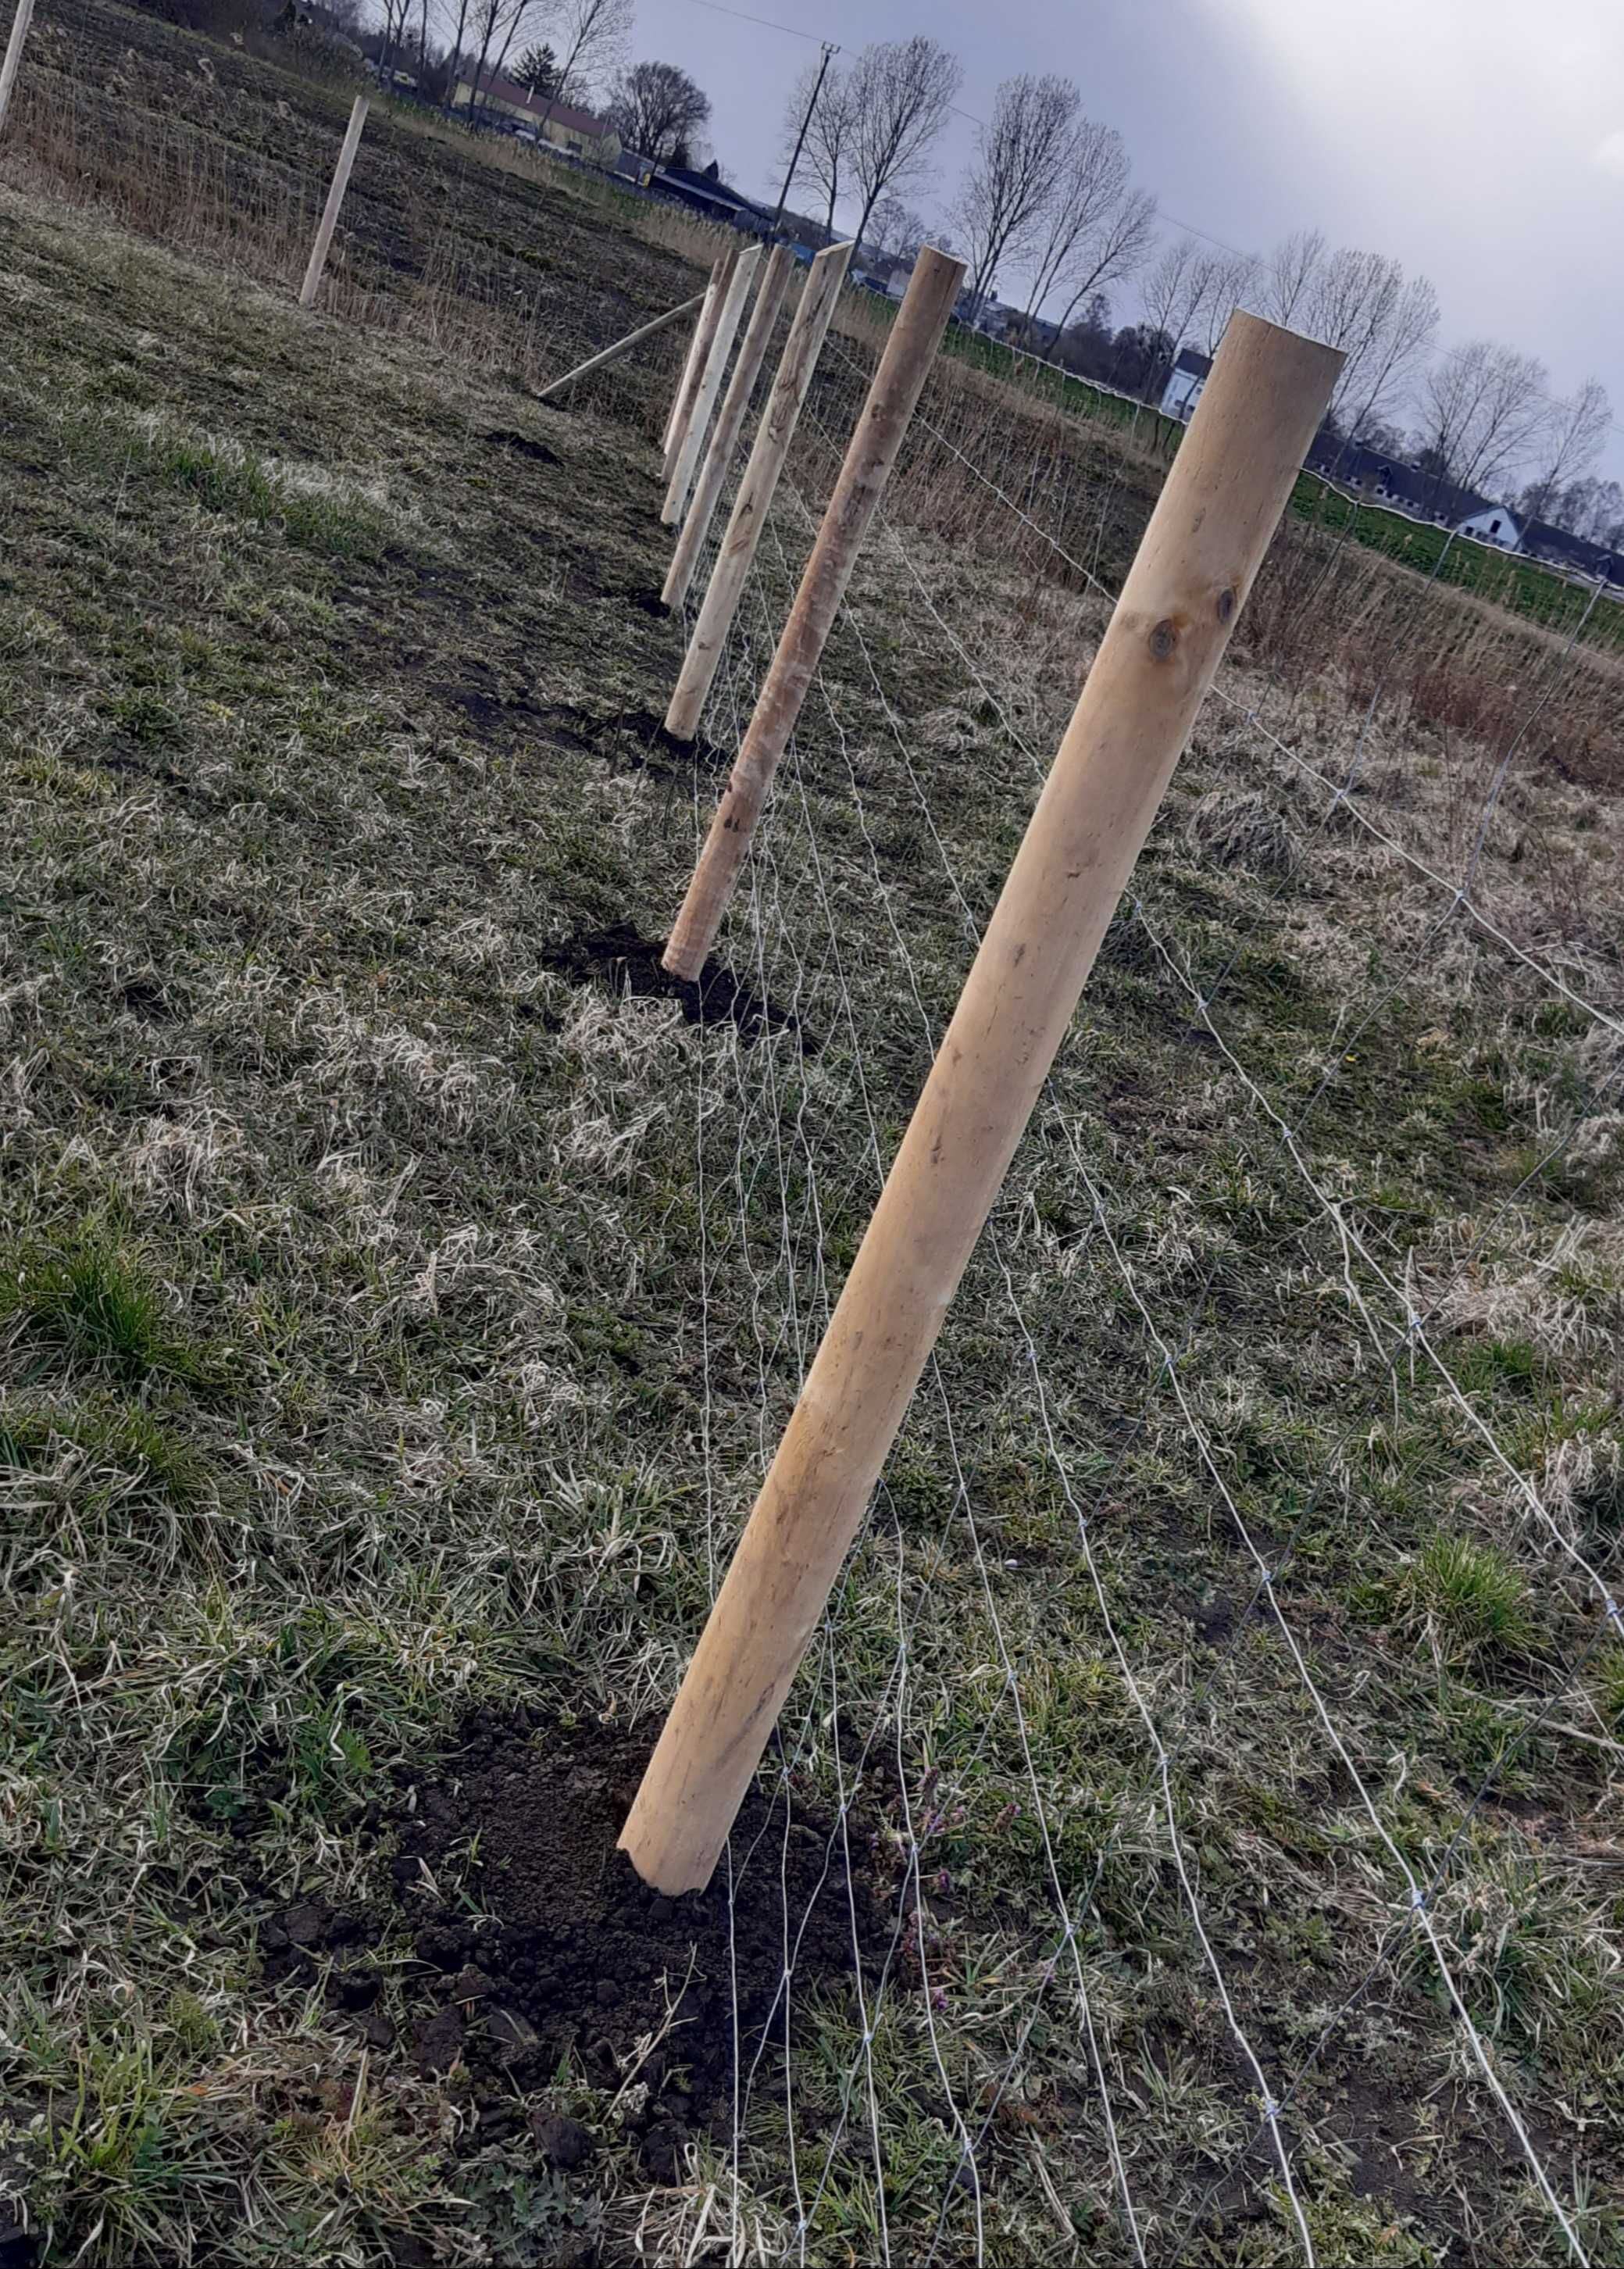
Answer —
1184 382
1494 524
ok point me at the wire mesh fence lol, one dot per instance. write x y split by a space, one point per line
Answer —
1227 1696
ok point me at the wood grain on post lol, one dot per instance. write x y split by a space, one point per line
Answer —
621 346
681 395
13 62
876 441
709 387
335 199
749 517
1220 505
729 424
710 315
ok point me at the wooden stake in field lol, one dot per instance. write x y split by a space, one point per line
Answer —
729 424
909 352
1220 505
707 302
621 347
698 357
709 387
13 62
335 198
749 517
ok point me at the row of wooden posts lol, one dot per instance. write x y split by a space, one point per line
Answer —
1218 509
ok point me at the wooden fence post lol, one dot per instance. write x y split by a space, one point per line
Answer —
335 198
876 441
621 346
729 424
1219 507
13 62
693 377
710 386
678 398
749 517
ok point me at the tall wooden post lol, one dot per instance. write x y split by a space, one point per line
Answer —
909 352
1219 507
335 199
693 378
749 517
709 387
681 395
729 424
13 62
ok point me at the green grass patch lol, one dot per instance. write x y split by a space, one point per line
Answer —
1470 1596
91 1303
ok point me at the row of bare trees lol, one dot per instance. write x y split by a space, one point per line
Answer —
1049 197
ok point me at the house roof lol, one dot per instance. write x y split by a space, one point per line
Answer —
1188 359
1561 544
706 188
538 106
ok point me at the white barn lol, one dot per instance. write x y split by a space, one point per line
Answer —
1494 524
1184 382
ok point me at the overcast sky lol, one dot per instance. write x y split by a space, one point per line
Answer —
1480 142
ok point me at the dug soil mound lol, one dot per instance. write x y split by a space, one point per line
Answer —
577 1955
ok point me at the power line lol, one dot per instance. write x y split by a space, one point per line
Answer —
790 31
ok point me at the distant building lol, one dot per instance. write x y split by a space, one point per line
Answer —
708 194
1184 382
578 133
1493 523
1424 495
1575 554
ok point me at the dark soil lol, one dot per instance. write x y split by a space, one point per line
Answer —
584 1958
575 1957
630 963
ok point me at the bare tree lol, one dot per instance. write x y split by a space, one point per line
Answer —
1286 280
1231 277
827 152
1355 301
590 37
1380 369
1589 507
1484 412
894 226
460 12
1091 179
1011 179
900 92
1573 441
494 20
395 15
1094 228
657 110
1176 291
1122 246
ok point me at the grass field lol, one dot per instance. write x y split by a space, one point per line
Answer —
1521 586
400 1294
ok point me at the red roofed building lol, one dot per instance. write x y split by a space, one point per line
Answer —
562 126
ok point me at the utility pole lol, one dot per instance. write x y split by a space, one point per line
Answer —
830 51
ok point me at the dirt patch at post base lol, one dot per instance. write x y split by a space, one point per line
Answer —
584 1958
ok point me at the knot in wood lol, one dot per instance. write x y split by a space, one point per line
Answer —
1226 604
1163 638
